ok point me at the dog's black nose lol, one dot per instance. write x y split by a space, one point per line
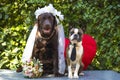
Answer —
47 25
75 36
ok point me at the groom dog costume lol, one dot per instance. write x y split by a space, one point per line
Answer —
29 49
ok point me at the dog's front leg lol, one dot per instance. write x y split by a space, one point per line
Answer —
76 71
70 72
55 63
81 69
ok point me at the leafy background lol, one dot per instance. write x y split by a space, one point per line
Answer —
99 18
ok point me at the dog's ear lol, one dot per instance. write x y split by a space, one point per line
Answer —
81 31
83 28
55 22
38 21
70 27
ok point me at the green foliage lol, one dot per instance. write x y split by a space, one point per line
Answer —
12 42
99 18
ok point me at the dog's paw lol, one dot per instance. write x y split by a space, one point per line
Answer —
81 74
70 75
19 69
76 76
59 75
56 74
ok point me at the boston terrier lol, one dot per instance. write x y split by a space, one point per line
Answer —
75 53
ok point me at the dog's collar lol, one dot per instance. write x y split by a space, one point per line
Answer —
76 45
73 44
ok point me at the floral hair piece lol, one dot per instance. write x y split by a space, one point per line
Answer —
49 9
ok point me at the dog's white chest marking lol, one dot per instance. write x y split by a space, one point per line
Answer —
79 52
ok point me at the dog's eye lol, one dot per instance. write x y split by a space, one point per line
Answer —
79 33
49 17
43 17
71 33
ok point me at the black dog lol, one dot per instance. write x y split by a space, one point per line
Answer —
46 43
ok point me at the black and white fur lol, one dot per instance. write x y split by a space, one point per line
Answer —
75 37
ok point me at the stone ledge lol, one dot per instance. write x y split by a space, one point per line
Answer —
89 75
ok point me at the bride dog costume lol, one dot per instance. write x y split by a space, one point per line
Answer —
27 54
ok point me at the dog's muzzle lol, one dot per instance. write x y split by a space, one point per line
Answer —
76 38
47 27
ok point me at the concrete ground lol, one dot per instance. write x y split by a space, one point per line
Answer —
89 75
